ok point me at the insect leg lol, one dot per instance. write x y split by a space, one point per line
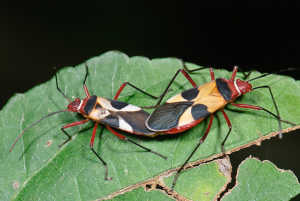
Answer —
164 92
71 125
186 75
235 69
254 107
193 70
194 150
167 88
275 105
122 137
133 86
229 126
93 150
212 74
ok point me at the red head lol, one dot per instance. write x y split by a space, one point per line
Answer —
238 87
75 105
242 86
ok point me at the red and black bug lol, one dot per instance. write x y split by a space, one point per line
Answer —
187 109
112 114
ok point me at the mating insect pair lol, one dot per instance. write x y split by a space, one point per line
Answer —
179 113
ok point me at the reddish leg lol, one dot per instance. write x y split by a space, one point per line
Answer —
93 150
165 91
235 69
186 75
254 107
91 142
275 105
122 137
86 91
194 150
193 70
247 106
229 126
129 84
71 125
212 74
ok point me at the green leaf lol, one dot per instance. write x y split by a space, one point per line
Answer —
258 180
38 170
205 182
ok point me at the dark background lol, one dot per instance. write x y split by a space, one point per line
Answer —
35 38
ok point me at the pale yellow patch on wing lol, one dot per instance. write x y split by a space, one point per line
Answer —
104 103
98 114
208 95
186 117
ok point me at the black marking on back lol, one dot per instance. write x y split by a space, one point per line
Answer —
190 94
224 89
90 104
167 115
137 121
118 104
98 106
199 111
111 120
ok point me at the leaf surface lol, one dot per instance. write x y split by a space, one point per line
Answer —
258 180
38 170
205 182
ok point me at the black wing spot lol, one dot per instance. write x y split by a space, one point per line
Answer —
167 116
224 89
90 104
137 121
111 120
98 106
118 104
190 94
199 111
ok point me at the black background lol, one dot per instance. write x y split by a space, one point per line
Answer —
37 37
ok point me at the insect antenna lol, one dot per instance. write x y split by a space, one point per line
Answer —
32 125
266 74
60 91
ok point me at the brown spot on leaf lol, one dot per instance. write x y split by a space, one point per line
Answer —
48 143
16 185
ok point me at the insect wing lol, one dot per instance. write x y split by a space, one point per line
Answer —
167 116
126 117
